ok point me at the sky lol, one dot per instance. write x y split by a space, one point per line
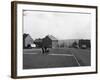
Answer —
62 25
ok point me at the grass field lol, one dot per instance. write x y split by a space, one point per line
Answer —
59 57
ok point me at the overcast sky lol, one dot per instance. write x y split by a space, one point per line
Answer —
61 25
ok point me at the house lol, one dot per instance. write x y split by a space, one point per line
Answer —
27 41
50 41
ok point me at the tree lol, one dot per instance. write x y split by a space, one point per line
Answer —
75 44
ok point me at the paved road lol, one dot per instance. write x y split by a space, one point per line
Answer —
33 58
83 56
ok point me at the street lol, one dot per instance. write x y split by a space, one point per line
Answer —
59 57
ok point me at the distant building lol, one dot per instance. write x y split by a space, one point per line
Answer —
50 41
67 43
75 43
27 41
84 44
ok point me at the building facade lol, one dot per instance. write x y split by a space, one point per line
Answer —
50 41
27 41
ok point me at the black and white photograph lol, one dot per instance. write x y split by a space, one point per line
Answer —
53 39
56 39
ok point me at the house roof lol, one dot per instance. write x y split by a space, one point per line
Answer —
25 35
51 37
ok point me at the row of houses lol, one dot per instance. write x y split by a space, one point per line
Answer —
52 42
75 43
48 41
